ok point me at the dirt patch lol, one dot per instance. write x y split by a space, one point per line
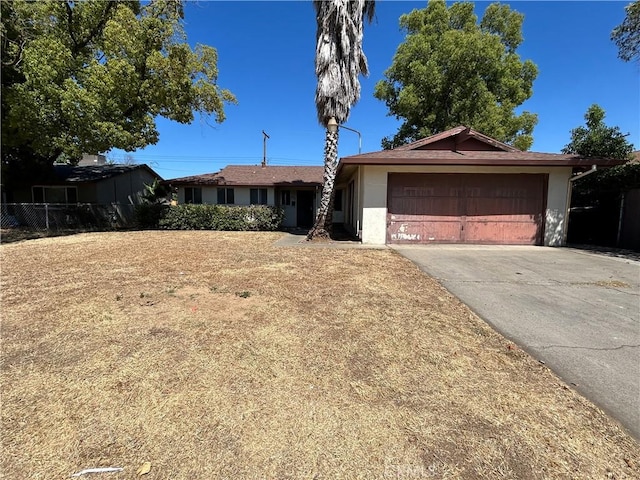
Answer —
218 355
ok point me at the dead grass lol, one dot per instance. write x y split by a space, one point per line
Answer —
218 355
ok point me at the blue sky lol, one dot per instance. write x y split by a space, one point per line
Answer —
266 58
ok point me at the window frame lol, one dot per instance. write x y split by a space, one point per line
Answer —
43 189
285 197
195 192
258 196
227 196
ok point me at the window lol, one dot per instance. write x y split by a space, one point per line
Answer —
225 196
337 202
285 197
55 195
258 196
192 195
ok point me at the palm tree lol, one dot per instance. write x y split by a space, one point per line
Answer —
339 62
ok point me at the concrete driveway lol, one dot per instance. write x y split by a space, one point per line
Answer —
578 312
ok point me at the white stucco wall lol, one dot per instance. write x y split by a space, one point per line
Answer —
555 217
373 191
374 204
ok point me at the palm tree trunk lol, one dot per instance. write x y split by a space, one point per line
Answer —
324 220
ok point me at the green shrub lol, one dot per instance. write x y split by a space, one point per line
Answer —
222 217
148 215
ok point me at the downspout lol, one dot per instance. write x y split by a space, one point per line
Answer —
565 230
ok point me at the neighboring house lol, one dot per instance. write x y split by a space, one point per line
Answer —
459 186
295 189
98 184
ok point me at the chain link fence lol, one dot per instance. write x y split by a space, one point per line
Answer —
57 217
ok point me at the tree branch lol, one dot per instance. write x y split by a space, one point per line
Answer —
67 6
95 31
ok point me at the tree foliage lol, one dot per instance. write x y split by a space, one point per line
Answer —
93 75
452 70
627 35
596 139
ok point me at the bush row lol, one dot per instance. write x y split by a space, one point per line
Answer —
210 217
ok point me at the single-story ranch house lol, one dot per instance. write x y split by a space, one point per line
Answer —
459 186
295 189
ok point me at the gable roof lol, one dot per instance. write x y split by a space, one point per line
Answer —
94 173
452 151
461 134
250 175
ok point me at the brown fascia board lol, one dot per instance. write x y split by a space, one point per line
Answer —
464 133
448 158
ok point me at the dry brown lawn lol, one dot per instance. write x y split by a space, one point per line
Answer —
218 355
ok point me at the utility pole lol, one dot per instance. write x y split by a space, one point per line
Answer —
264 148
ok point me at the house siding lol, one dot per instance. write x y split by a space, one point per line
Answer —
124 189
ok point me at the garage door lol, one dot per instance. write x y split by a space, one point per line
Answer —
466 208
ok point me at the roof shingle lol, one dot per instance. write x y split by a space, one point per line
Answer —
248 175
93 173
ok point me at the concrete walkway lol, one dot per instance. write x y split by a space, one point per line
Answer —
297 238
578 312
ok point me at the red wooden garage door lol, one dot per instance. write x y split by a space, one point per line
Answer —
466 208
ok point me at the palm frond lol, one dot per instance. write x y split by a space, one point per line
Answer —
340 59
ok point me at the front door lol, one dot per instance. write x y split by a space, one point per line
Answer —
304 208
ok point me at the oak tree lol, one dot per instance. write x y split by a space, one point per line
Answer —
453 70
89 76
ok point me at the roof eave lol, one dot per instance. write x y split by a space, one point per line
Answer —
571 162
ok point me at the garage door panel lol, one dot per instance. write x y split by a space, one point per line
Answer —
504 233
524 218
508 207
465 208
435 231
434 206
